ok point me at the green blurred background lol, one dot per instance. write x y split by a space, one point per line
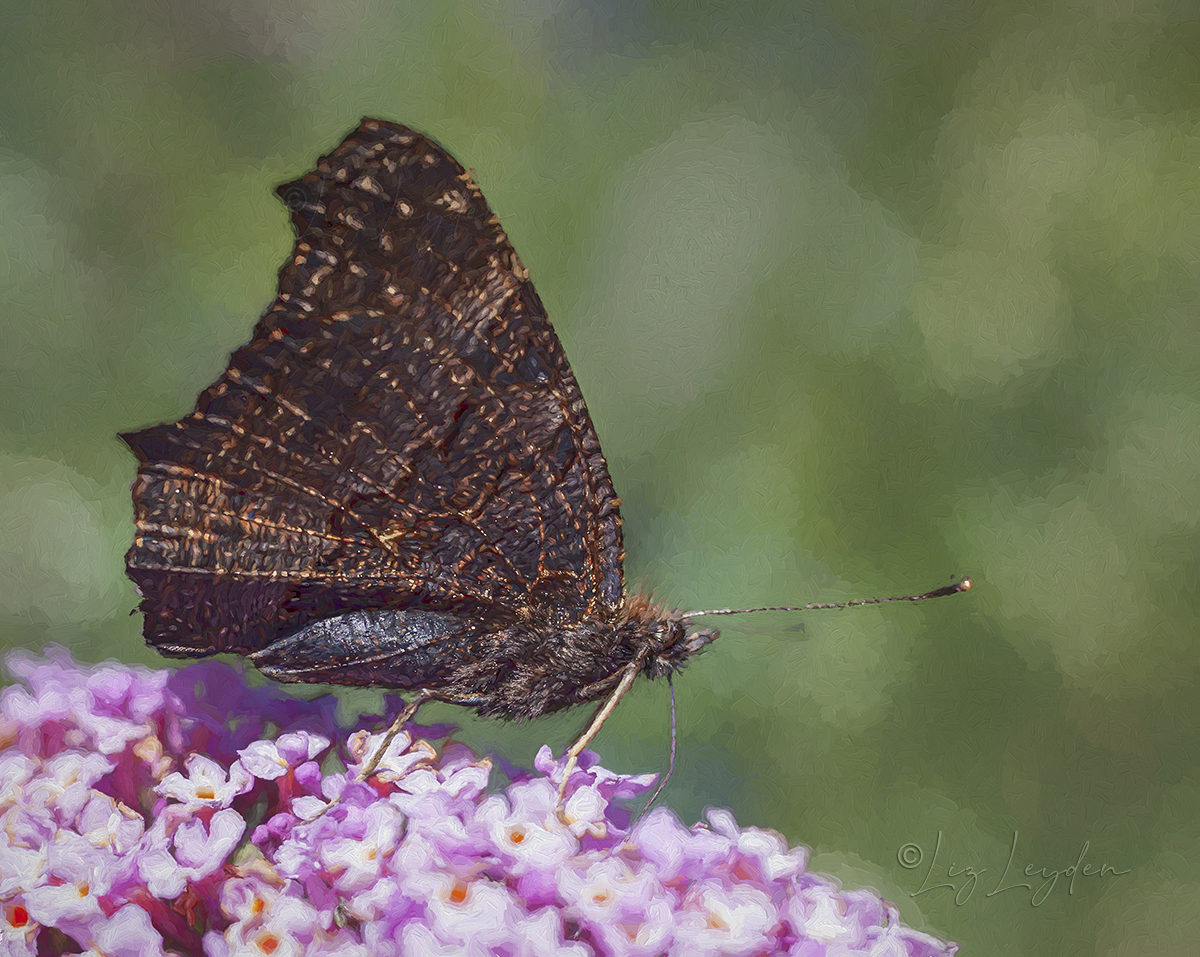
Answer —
861 296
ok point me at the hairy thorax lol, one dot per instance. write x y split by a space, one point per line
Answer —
543 664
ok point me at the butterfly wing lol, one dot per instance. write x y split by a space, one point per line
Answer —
403 430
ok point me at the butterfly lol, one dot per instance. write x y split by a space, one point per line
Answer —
396 482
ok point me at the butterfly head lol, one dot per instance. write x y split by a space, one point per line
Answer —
669 635
676 645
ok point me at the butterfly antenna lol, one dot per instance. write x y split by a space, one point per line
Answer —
953 589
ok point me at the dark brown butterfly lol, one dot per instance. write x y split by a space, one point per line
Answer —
396 482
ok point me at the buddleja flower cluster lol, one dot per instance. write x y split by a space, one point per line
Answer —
155 812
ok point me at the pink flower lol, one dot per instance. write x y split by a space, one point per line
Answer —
272 759
207 784
109 844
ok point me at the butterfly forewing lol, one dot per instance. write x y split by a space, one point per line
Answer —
402 430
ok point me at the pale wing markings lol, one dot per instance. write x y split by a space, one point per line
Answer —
566 404
180 531
295 410
502 360
223 423
297 575
382 448
590 484
270 443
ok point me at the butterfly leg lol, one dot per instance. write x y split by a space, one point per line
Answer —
631 672
402 719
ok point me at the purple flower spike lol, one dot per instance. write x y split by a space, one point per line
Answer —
146 813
